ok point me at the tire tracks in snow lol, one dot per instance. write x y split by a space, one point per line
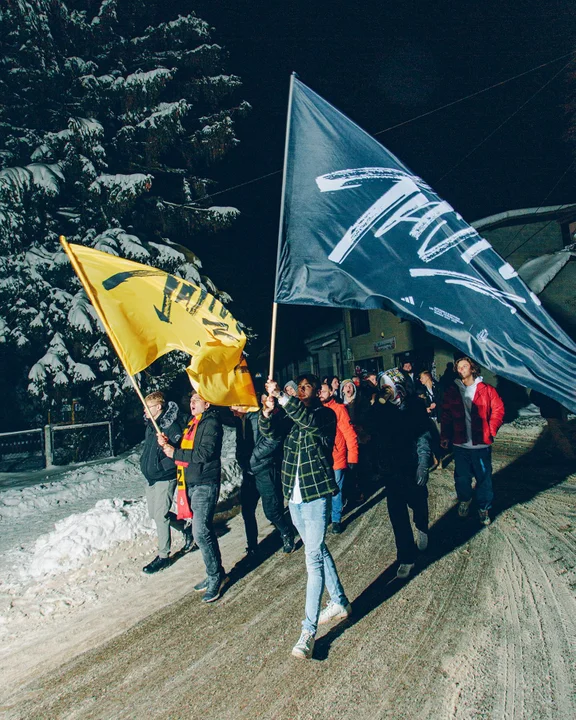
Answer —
479 631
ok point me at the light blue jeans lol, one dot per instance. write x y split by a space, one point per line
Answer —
337 500
311 520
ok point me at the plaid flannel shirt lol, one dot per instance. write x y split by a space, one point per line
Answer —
307 449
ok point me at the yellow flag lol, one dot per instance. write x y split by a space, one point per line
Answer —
147 313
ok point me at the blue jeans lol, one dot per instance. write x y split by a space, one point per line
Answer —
338 500
469 463
311 520
203 499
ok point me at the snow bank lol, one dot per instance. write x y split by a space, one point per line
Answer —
102 480
77 537
88 511
93 482
71 541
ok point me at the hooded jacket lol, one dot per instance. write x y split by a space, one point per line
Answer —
346 441
358 408
154 464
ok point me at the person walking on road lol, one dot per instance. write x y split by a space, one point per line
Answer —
198 457
259 458
472 414
160 472
431 394
308 484
406 440
345 453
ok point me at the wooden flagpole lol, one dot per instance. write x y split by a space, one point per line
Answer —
275 304
273 339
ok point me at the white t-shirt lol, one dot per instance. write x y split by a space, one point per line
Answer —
468 392
296 496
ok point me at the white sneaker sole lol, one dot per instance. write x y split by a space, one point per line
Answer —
340 616
300 654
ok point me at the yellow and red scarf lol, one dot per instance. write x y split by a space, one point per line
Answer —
187 443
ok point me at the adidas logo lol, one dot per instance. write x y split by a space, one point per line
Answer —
409 299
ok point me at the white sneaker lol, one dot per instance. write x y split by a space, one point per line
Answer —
421 539
334 611
464 508
305 646
404 570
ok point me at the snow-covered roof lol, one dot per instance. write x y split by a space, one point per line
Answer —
326 332
523 214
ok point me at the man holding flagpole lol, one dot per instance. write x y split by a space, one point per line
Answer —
308 484
160 472
199 456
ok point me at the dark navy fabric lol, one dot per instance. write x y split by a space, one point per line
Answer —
360 230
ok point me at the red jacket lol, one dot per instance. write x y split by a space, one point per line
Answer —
346 442
487 415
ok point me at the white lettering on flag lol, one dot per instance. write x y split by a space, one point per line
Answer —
469 281
402 203
507 271
475 249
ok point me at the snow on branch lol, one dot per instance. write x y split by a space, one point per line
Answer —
177 33
166 116
17 181
148 82
121 189
81 314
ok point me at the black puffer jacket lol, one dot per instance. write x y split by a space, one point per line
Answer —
202 463
154 464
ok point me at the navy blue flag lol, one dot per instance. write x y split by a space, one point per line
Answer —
360 230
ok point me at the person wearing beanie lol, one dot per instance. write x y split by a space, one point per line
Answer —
290 388
345 453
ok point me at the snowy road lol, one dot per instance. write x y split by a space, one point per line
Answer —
485 629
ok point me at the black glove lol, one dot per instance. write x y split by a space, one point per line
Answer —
351 466
422 476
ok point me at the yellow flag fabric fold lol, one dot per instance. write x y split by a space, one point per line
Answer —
147 313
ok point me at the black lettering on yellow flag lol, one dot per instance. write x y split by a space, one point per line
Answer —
147 313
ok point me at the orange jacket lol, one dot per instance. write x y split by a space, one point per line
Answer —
346 442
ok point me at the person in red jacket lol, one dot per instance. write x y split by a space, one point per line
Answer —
345 453
472 414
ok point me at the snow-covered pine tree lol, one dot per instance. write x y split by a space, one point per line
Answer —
112 114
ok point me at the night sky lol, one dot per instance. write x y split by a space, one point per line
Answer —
383 63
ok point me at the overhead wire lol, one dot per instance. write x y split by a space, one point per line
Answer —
540 206
479 145
414 119
475 94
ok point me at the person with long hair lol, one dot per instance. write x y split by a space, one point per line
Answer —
472 414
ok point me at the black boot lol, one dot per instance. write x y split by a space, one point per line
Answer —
252 556
189 544
156 565
287 543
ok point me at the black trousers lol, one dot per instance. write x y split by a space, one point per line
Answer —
263 485
404 493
